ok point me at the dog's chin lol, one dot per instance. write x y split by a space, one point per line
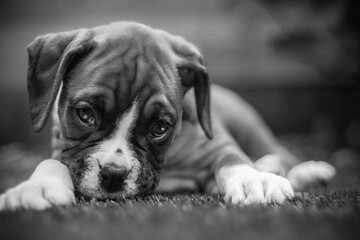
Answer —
89 190
90 187
101 194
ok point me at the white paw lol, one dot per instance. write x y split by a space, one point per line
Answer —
310 173
249 186
37 195
270 163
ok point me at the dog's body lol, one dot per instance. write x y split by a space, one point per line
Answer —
237 129
132 114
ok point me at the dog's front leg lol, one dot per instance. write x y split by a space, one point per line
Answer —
50 184
242 184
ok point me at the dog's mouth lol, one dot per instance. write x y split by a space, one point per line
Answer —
91 182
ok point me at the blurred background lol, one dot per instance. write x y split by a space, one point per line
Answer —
295 61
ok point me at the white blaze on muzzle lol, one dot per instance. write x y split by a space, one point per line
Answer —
114 150
118 143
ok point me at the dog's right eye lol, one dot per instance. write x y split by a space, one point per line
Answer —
159 129
86 116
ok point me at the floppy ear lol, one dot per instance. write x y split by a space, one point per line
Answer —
197 77
193 73
48 58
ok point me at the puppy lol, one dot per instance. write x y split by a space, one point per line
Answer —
132 115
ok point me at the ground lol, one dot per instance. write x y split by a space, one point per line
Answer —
325 212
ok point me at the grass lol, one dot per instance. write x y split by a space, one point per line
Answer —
191 216
326 212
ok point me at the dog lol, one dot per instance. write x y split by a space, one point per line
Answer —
134 112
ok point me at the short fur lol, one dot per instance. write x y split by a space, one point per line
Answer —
134 80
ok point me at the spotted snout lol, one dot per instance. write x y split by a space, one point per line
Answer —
109 176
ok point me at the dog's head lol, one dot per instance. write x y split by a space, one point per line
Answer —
118 93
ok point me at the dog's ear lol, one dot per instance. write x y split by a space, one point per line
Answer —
193 73
197 76
48 58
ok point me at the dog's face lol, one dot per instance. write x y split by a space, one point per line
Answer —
120 104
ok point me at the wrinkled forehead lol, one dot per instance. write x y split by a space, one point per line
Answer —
125 67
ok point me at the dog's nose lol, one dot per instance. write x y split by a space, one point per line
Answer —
113 176
119 151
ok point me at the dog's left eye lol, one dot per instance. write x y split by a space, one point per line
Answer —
87 116
160 128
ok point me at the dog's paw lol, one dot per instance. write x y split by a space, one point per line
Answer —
310 173
271 163
36 195
250 186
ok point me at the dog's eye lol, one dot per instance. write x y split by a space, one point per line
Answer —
159 128
87 116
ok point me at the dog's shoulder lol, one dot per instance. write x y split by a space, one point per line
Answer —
231 108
